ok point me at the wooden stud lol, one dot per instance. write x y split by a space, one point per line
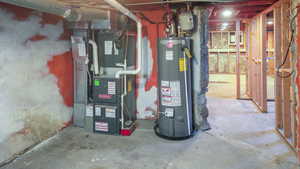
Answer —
238 74
278 61
228 55
263 51
294 119
250 29
248 60
286 81
258 67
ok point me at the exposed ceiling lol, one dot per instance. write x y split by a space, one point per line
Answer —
100 4
94 7
242 9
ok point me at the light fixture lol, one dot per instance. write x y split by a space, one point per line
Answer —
227 13
270 22
225 24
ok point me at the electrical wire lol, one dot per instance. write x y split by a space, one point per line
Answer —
149 20
286 58
288 50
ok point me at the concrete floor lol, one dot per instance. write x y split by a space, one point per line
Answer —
224 85
241 138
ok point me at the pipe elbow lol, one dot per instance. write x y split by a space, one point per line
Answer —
139 24
72 15
93 43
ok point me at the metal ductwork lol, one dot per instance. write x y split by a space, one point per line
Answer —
70 14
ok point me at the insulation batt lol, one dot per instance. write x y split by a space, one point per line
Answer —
29 96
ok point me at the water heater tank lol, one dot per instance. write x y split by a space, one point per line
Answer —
174 88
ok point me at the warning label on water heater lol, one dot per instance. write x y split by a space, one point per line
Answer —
170 93
169 55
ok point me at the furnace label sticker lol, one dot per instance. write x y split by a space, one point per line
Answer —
89 111
105 96
81 49
110 113
170 93
97 111
111 87
101 126
108 47
169 55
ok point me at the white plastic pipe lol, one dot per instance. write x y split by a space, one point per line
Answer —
95 56
128 13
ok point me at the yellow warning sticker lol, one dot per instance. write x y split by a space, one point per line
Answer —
129 86
182 64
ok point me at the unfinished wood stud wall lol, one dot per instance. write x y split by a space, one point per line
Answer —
286 113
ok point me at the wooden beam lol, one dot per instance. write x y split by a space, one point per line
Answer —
227 20
278 61
246 3
286 81
219 9
253 8
271 8
238 75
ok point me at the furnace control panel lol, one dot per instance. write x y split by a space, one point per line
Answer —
106 90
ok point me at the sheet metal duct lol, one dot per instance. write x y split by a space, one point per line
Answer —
55 8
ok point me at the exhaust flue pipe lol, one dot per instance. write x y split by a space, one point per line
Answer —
95 56
128 13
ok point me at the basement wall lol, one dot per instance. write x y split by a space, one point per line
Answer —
222 55
36 79
147 79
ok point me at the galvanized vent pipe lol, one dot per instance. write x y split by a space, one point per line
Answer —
128 13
